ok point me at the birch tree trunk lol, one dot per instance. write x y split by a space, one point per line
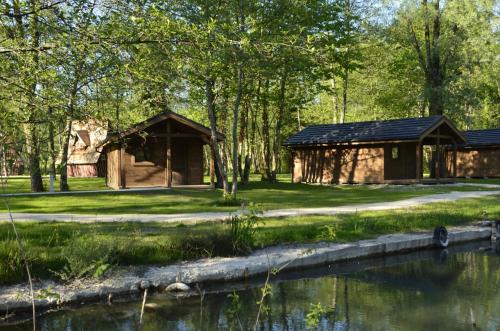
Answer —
209 93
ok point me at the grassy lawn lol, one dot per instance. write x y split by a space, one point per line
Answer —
67 248
20 184
268 196
481 181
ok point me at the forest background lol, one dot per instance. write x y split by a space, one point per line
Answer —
255 70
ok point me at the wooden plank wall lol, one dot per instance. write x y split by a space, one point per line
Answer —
405 166
82 170
475 163
151 174
113 170
339 165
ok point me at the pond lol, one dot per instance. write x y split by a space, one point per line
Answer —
454 289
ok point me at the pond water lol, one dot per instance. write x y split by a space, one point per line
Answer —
455 289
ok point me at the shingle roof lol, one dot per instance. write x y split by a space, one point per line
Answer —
158 118
478 138
390 130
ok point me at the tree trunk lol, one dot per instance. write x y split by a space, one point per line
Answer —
218 174
209 92
266 152
53 156
4 173
335 101
344 95
235 131
33 158
63 182
279 123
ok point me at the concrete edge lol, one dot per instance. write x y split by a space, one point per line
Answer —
205 271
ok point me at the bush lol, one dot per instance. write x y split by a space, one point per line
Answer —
243 229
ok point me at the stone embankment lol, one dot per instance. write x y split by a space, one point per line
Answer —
131 281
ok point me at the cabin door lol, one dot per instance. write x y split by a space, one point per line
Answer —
179 162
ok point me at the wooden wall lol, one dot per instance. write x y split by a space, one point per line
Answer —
405 166
113 166
82 170
186 156
89 170
339 165
476 163
373 164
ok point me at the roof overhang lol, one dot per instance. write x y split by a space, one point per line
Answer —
444 120
203 130
352 143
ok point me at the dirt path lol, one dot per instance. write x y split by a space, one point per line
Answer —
216 216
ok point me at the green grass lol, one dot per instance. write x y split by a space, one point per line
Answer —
269 196
54 246
481 181
21 184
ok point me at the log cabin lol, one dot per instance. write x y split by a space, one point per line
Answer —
84 152
163 151
480 156
373 152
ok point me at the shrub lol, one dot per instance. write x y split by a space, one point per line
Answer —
243 229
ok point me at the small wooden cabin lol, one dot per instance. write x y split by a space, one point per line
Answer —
480 156
164 150
84 152
11 163
371 152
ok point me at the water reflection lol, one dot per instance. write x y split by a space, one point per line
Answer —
458 289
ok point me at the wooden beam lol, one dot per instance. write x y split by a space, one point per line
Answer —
454 159
176 135
418 174
442 136
168 167
121 161
438 155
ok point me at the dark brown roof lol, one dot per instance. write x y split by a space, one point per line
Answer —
482 138
159 118
407 129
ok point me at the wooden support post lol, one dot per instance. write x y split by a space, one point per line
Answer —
438 156
454 159
418 175
121 161
168 168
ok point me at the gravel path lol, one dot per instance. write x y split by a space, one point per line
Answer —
216 216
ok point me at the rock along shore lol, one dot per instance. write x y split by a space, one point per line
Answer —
131 281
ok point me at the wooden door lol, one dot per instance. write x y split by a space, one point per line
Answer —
179 162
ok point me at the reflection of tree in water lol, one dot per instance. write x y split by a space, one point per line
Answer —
420 275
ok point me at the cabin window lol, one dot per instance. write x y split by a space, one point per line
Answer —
395 152
143 155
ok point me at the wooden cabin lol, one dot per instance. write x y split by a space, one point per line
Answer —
164 150
480 156
372 152
11 162
84 152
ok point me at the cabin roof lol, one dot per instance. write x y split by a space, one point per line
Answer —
407 129
159 118
482 138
